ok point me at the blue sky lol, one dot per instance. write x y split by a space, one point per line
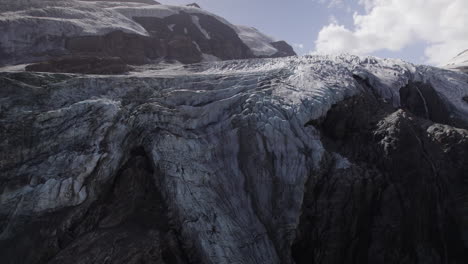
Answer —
413 30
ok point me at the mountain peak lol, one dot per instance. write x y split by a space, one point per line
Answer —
459 62
194 5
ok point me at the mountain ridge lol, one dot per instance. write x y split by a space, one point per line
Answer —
137 33
459 62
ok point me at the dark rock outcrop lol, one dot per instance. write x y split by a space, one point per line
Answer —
125 225
131 48
128 223
400 200
284 49
462 69
422 100
172 38
182 40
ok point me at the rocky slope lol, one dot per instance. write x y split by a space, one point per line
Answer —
289 160
137 32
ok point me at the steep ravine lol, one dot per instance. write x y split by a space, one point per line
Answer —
128 224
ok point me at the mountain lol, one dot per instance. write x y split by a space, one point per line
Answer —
128 1
459 62
135 32
315 159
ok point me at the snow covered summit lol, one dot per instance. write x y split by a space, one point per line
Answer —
459 62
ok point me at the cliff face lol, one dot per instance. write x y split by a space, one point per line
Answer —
137 32
314 159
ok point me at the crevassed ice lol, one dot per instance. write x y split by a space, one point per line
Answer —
312 84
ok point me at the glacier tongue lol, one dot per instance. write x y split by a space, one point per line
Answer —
230 143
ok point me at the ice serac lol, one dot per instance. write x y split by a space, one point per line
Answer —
289 160
138 32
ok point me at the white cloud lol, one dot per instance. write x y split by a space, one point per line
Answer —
368 4
333 3
395 24
298 45
338 4
333 20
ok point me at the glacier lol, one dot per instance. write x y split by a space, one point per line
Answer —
236 155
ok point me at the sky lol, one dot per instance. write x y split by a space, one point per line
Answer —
419 31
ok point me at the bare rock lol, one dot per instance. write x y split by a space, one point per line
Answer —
390 203
284 49
194 5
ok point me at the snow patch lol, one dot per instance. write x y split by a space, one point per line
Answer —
159 11
210 58
196 45
196 21
171 27
258 42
